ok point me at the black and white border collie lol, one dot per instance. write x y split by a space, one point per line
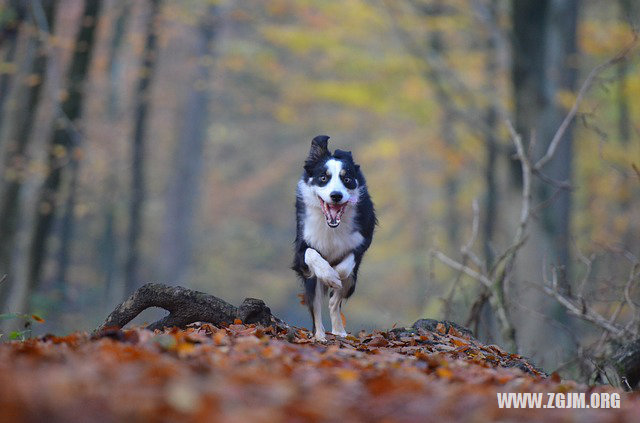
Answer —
335 222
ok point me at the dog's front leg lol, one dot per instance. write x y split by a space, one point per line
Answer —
321 269
317 314
335 305
345 270
345 267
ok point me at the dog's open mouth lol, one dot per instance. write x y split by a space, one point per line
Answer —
333 212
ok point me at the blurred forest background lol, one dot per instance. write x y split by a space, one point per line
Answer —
161 140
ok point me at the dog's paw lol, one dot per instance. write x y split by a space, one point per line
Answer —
341 334
332 281
320 337
322 269
328 276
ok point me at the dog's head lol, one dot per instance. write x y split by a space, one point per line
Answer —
332 179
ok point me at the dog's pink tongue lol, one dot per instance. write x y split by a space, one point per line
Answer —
333 211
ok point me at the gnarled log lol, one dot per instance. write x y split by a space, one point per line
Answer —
187 306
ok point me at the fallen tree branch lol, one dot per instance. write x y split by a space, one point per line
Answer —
187 306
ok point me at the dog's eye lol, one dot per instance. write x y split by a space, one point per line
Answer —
323 178
347 179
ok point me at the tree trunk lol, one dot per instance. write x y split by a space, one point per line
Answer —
544 65
560 76
9 40
182 197
15 160
137 178
447 130
66 230
114 63
624 129
491 117
62 144
486 323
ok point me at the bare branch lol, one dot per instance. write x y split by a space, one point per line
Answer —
466 249
462 268
634 322
581 309
635 168
526 183
588 262
581 93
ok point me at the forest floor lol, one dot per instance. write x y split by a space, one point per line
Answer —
247 373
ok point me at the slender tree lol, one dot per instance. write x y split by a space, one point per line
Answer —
68 222
15 158
115 62
146 73
61 145
108 243
626 12
436 43
182 196
490 118
544 65
9 41
544 56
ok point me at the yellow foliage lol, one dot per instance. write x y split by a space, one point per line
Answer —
602 38
350 93
565 99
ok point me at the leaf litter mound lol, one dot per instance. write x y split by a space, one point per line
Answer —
249 373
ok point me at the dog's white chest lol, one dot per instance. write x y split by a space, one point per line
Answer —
331 243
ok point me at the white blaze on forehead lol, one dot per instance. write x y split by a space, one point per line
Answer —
335 183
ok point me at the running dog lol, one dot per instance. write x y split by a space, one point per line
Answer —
335 223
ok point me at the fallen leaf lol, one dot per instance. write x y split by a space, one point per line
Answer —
37 318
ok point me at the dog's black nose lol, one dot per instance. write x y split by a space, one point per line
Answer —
336 196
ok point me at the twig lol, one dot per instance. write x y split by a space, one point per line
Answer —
466 249
462 268
588 262
635 168
581 93
526 183
632 325
467 253
583 310
476 308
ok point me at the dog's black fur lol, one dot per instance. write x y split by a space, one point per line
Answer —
334 244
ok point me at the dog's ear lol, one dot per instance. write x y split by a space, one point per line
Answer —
319 147
343 154
319 150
